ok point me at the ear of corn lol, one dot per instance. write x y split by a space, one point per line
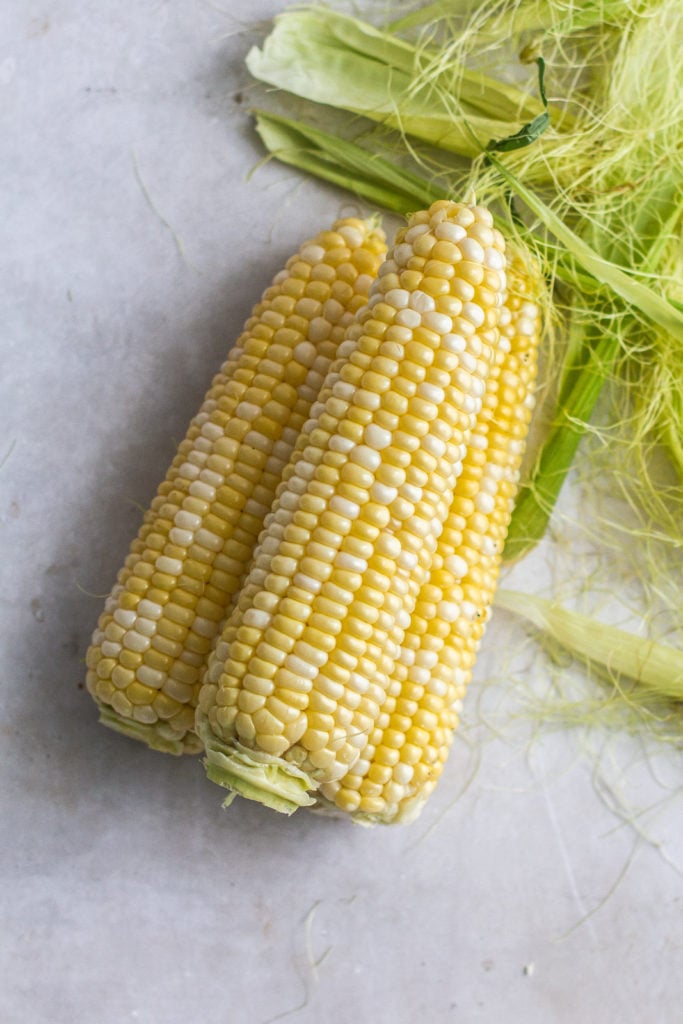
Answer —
192 552
313 679
409 744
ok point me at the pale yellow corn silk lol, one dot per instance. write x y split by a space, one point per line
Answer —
311 696
195 545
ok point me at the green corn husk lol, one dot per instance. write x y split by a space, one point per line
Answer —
603 331
342 163
599 200
609 246
340 61
594 353
638 666
512 19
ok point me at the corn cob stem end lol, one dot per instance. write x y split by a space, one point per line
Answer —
269 780
149 734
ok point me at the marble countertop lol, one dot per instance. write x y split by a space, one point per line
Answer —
135 241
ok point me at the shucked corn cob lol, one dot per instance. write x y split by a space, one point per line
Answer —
196 542
309 690
409 744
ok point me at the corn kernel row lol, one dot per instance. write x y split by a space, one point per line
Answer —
409 744
304 672
150 648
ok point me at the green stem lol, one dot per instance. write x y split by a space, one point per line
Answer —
581 389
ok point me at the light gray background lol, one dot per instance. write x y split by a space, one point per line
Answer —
133 246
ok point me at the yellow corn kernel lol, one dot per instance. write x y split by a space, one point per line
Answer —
377 487
438 652
196 541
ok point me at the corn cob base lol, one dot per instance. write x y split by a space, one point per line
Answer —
155 735
254 775
280 785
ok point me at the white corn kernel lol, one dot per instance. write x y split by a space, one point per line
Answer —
172 566
313 254
377 437
408 318
125 618
450 232
438 322
421 302
187 520
474 313
397 297
484 503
